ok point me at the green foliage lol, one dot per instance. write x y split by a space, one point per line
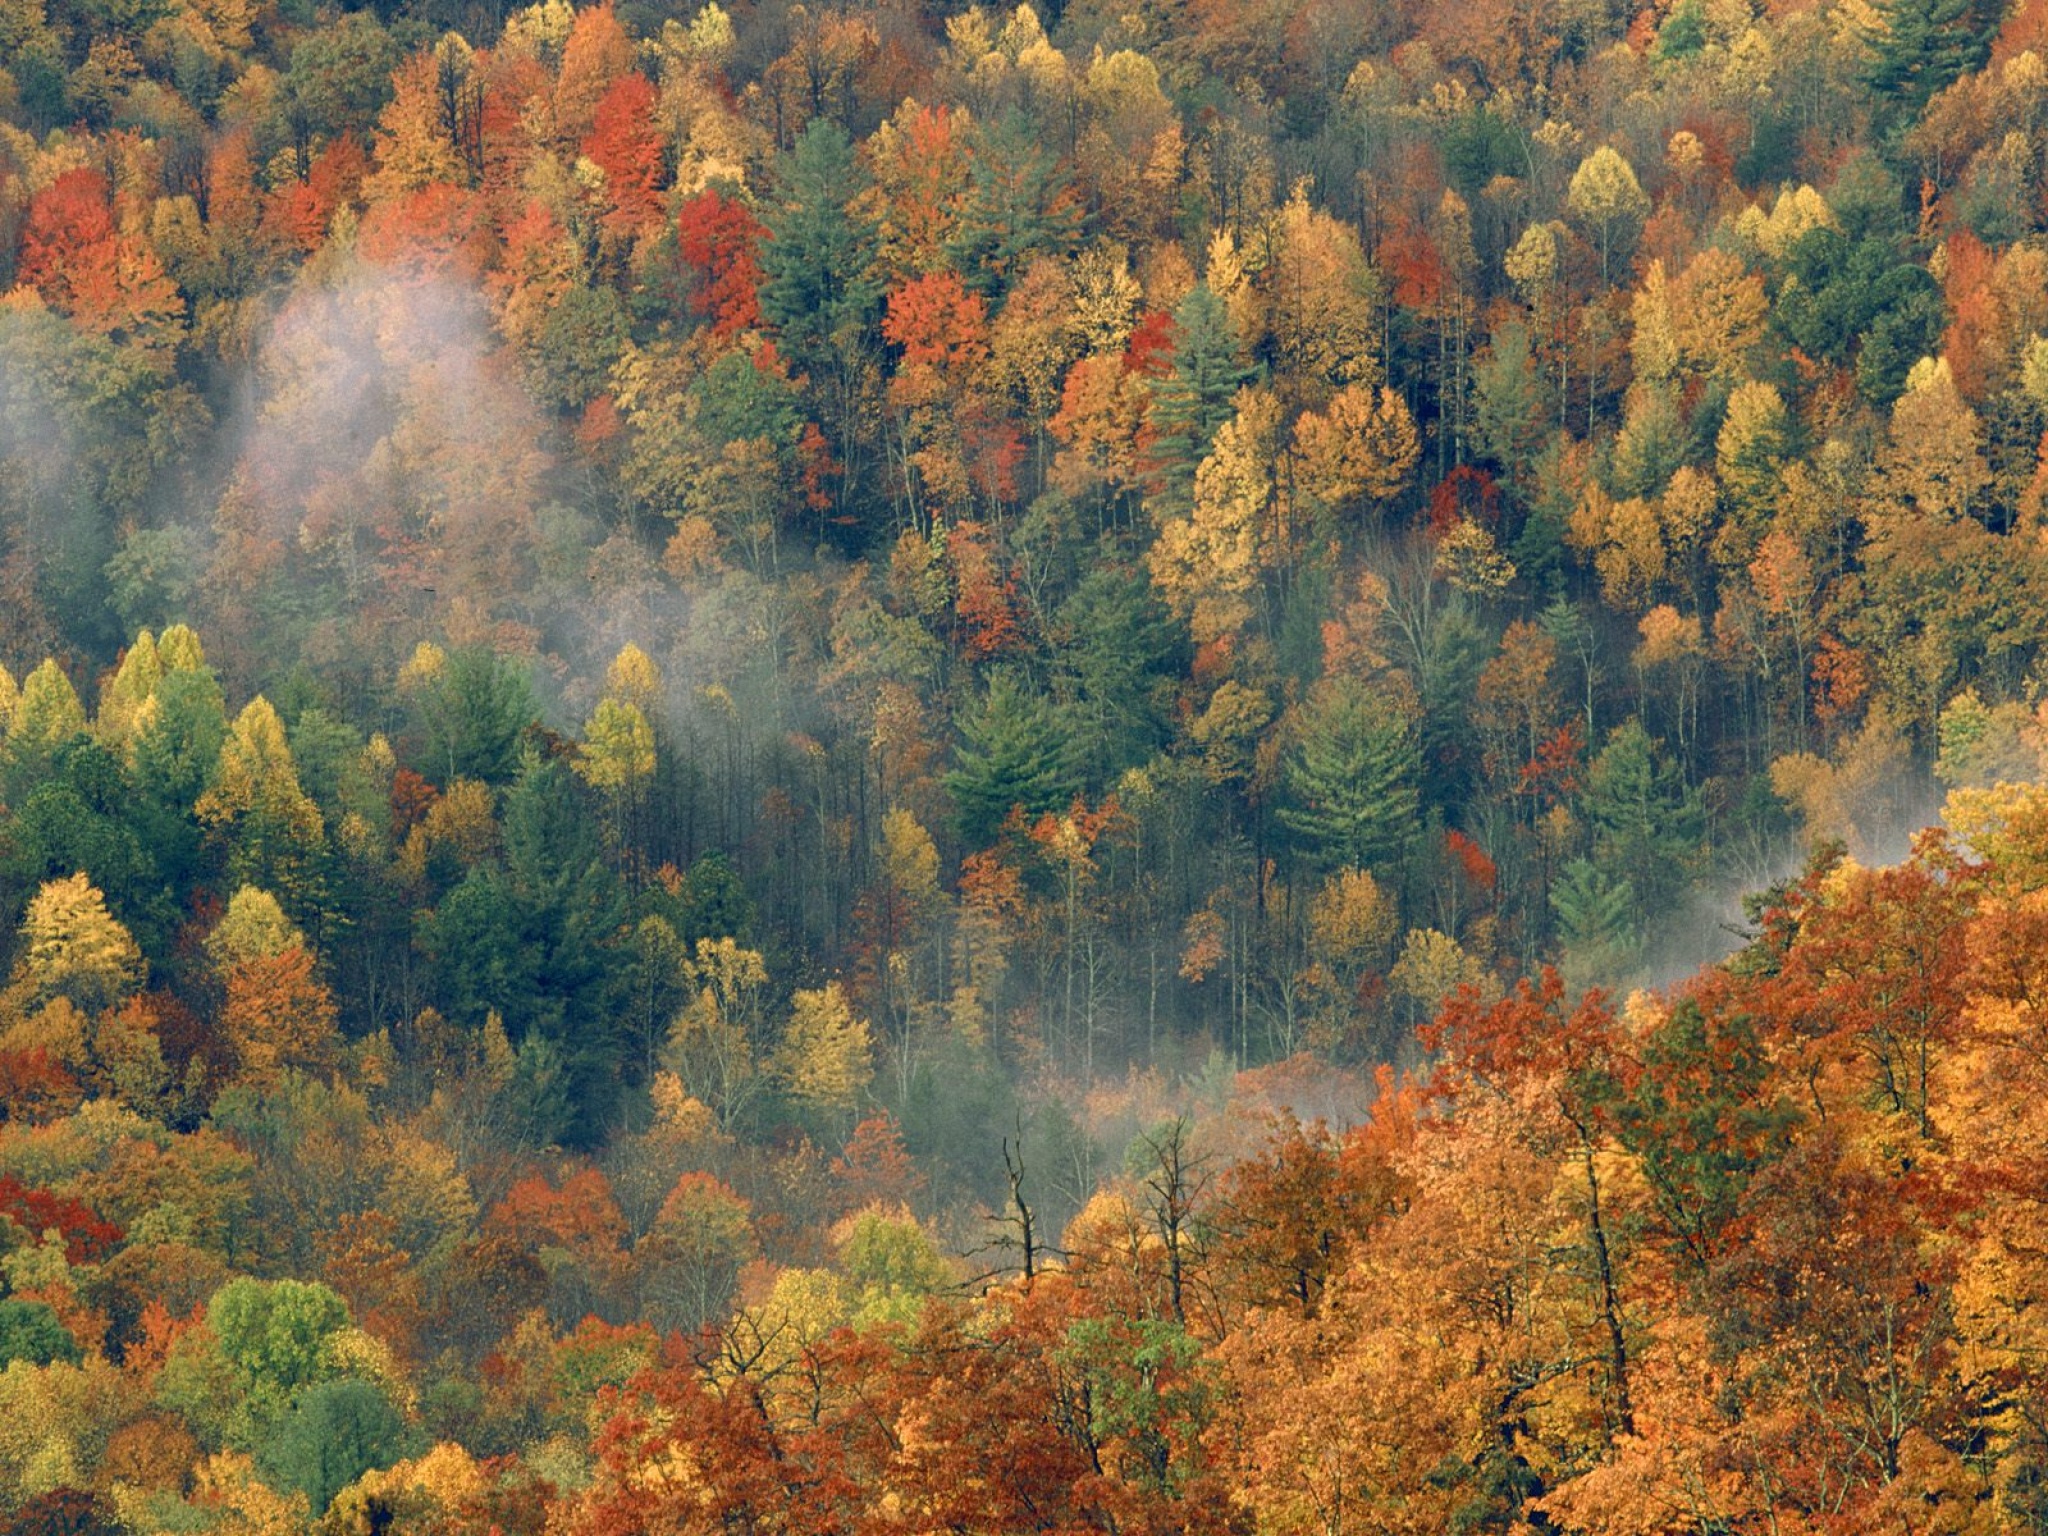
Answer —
30 1331
334 1432
1193 402
1123 657
1014 754
1351 780
818 284
472 716
1646 821
265 1340
1923 46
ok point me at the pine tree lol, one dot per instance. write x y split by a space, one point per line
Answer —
1924 47
1013 753
1018 206
817 264
1351 779
1193 402
1646 822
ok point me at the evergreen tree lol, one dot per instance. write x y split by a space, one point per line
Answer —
1018 206
1646 822
334 1433
818 284
1121 660
1351 780
1013 753
1193 402
1923 47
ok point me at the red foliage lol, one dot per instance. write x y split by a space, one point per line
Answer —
72 214
436 232
1553 773
719 237
985 599
875 1168
626 145
1410 257
88 1237
1466 494
301 211
36 1086
580 1215
1150 350
937 322
1471 859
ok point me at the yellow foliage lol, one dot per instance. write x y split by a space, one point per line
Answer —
74 946
827 1055
253 927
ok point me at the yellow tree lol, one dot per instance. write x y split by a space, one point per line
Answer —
74 948
826 1058
1362 446
712 1046
1208 563
273 829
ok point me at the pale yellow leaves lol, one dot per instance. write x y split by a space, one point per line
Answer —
254 927
826 1059
74 948
1207 564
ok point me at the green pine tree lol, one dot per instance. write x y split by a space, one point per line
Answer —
1923 48
1193 402
1013 752
1351 780
1646 823
817 265
1018 206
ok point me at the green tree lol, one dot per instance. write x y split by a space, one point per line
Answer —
818 283
332 1434
1646 823
1921 47
30 1331
1122 655
264 1341
1014 753
1019 205
473 708
1190 405
1351 779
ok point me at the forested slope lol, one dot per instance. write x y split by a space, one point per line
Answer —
861 768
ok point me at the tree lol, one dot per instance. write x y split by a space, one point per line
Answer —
74 949
1920 46
473 706
1351 778
818 285
1191 404
276 838
690 1261
333 1432
826 1057
1607 197
30 1331
1013 755
264 1341
1018 205
1646 822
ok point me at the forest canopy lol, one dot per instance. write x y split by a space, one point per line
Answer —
876 767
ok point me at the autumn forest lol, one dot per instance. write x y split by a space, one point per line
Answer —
1260 767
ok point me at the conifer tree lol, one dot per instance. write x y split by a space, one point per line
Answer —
1352 780
1012 753
1193 402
